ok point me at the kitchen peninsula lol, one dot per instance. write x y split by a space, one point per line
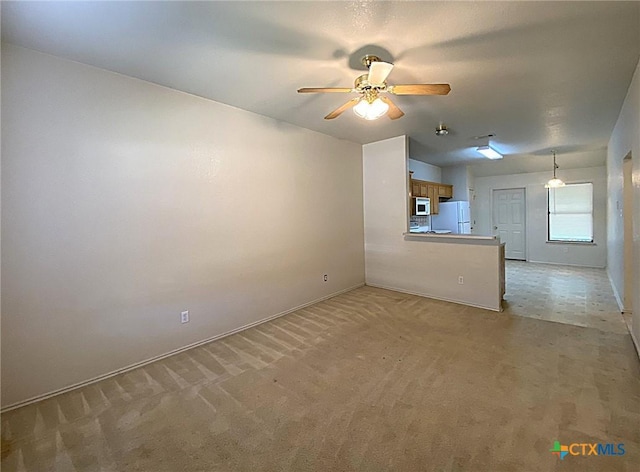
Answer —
461 268
426 233
494 252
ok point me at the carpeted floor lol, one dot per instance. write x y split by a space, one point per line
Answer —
371 380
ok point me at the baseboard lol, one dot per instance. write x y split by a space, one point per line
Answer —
427 295
568 265
615 292
136 365
635 343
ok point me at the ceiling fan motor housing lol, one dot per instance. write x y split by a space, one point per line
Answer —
362 84
368 59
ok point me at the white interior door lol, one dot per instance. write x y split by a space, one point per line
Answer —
509 221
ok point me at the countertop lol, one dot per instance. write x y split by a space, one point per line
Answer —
427 229
430 231
454 238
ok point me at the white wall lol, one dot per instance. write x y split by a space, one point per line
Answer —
423 171
538 250
425 268
458 176
625 138
1 147
124 202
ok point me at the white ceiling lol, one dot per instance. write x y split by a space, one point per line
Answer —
539 75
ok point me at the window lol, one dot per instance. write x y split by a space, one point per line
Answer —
571 213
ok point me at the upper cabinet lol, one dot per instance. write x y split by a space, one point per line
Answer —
445 191
419 188
432 190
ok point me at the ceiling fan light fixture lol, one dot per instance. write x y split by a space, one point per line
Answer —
370 111
488 152
369 105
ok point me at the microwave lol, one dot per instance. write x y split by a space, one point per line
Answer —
422 206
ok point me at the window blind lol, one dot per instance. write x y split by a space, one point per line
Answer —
571 213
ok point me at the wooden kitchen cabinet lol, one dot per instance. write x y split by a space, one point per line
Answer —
445 191
416 190
432 193
432 190
419 188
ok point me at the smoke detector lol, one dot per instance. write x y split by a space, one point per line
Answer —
442 130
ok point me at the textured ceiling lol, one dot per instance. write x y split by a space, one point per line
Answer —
538 75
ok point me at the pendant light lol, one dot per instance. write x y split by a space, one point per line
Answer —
555 182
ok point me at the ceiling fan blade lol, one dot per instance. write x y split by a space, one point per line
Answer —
378 72
394 112
340 110
420 89
324 90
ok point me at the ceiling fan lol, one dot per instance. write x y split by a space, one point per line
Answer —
372 102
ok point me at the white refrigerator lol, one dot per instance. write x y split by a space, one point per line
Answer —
452 216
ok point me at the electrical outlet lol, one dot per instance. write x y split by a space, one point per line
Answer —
184 317
460 280
326 277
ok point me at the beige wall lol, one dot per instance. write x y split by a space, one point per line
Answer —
459 177
423 171
124 203
538 250
424 268
624 139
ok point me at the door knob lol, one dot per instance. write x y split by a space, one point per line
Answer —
495 227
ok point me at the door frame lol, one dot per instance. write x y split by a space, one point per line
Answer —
627 234
472 210
525 206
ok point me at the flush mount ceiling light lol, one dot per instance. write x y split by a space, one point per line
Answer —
555 182
488 152
442 130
